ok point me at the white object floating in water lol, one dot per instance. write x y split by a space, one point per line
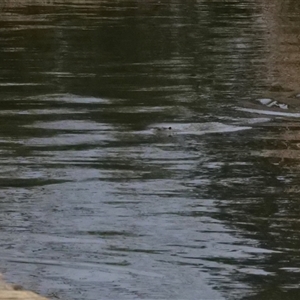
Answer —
269 112
265 101
272 103
283 106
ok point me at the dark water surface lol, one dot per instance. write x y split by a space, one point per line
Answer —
128 169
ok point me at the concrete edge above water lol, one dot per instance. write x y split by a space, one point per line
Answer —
14 292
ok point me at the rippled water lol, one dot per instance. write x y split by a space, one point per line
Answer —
135 160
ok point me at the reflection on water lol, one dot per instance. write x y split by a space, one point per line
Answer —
135 160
